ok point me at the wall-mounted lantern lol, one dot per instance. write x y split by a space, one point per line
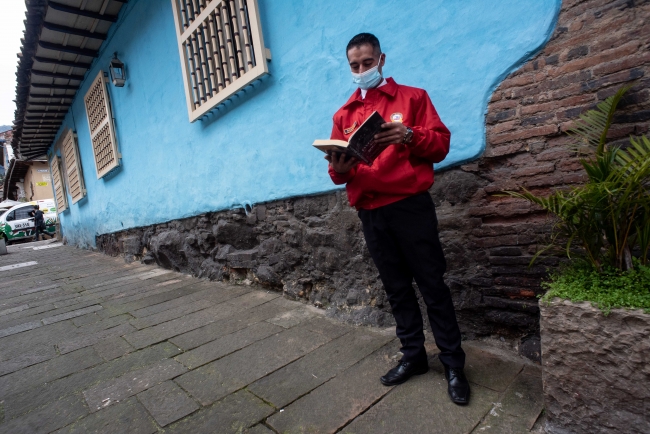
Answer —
117 71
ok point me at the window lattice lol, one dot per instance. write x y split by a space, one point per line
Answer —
100 121
59 187
72 164
221 48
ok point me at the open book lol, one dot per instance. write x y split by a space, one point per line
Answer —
361 143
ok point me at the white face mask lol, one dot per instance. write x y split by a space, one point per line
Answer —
368 79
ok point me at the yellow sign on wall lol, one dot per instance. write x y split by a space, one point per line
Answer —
41 184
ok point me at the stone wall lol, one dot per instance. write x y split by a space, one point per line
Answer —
312 248
600 384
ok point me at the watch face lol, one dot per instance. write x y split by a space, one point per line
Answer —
408 135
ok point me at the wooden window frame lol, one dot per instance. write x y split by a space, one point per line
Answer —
218 54
61 198
74 174
102 132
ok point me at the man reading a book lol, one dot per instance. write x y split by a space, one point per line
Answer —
398 215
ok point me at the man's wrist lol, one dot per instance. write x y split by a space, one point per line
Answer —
408 136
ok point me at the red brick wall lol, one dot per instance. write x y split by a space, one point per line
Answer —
596 47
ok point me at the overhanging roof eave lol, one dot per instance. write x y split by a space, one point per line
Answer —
65 65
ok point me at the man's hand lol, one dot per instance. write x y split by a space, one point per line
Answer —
340 162
393 132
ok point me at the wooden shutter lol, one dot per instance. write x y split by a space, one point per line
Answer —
221 49
59 187
100 121
70 151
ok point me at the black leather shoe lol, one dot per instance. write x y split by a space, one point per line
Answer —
403 371
457 385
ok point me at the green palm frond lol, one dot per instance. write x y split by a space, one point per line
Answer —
636 156
606 219
593 126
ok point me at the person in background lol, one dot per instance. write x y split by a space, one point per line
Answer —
396 210
39 222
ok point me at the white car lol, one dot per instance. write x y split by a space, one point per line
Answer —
17 224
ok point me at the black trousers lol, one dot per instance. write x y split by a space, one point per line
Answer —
37 231
403 241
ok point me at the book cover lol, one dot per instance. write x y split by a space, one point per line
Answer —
361 143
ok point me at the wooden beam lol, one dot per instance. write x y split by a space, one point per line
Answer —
48 104
32 123
68 49
45 112
54 86
83 65
35 118
77 11
57 75
73 31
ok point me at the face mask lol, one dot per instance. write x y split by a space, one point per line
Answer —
369 79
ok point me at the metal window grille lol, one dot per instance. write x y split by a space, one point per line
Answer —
100 121
59 187
221 49
72 164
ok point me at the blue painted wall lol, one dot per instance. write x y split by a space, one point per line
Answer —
259 148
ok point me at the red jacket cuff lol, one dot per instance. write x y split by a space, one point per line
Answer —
429 144
341 178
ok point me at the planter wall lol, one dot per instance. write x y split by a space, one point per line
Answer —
596 369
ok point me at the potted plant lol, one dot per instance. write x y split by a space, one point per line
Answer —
595 321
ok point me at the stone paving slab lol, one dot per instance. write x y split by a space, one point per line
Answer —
258 429
423 405
43 393
37 355
296 379
112 348
91 344
170 314
46 419
14 345
334 404
224 376
169 329
50 370
230 415
167 403
230 324
126 417
519 407
228 344
131 383
93 338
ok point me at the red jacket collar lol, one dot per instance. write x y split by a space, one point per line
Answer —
390 88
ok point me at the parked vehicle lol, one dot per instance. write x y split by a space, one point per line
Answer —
17 224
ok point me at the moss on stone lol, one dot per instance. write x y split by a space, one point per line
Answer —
608 289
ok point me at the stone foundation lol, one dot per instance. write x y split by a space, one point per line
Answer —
596 369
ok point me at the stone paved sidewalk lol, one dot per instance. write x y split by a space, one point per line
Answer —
89 344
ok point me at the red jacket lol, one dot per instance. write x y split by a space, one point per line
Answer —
400 170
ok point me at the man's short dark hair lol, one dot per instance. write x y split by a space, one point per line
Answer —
362 39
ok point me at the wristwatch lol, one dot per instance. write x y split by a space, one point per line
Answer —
408 135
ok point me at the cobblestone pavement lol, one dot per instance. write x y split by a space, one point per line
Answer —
90 344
